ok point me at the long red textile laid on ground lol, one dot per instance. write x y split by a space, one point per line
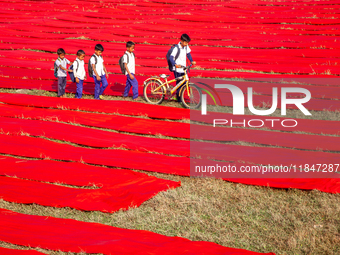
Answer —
76 236
115 122
95 188
93 137
173 129
305 125
41 148
5 251
146 62
266 88
105 106
25 59
105 139
329 185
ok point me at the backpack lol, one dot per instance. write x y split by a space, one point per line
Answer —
56 68
89 67
171 67
121 64
73 78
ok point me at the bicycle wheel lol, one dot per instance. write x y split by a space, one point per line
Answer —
152 96
193 100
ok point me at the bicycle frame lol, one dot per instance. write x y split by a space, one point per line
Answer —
184 78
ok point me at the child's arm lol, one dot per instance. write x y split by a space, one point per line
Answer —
65 69
107 74
172 58
75 66
61 67
127 69
94 70
70 63
190 58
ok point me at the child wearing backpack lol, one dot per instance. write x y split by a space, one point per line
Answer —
98 71
178 57
60 69
129 65
79 72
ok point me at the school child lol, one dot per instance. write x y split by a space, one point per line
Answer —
179 59
98 71
61 64
129 63
79 72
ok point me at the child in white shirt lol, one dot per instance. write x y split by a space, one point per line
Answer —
79 72
129 63
184 53
100 74
62 63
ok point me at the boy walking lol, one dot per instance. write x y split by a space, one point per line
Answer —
184 53
100 74
79 72
129 63
62 63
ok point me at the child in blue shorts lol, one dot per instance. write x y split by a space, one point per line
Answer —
129 63
79 72
100 74
62 63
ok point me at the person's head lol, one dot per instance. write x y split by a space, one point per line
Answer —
98 49
80 54
130 46
61 53
185 39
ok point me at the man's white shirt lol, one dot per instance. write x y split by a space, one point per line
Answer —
182 58
131 64
99 66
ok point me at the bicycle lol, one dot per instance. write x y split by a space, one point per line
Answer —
157 87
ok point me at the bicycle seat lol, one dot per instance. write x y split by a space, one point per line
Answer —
164 76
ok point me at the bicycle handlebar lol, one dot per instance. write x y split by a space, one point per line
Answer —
186 67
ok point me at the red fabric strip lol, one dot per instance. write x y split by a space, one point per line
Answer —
93 137
5 251
120 107
120 123
304 125
76 236
100 138
318 66
117 188
184 130
41 148
34 147
202 53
